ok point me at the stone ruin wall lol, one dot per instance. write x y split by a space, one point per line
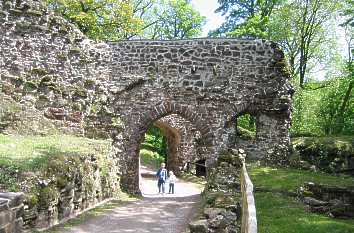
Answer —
118 89
208 82
50 67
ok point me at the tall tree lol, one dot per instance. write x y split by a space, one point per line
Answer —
176 19
348 11
245 18
346 101
299 27
100 19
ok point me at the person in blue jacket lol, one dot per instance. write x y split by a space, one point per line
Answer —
161 176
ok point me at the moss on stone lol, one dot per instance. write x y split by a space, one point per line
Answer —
39 71
327 153
34 12
62 56
89 83
23 25
17 80
31 199
47 195
75 50
30 86
81 92
61 181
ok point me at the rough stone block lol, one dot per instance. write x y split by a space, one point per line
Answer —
211 213
7 217
19 211
4 204
199 226
18 226
15 199
8 228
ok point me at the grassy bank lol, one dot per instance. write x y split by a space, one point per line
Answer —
279 213
24 155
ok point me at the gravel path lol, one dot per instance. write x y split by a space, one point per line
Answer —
154 213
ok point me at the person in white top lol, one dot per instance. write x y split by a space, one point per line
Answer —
172 181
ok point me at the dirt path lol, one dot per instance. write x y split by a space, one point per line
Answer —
154 213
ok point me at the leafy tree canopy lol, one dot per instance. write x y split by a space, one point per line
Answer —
176 19
100 19
245 18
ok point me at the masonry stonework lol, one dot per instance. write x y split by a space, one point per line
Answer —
119 89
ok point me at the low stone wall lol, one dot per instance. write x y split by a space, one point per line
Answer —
249 217
333 201
11 212
68 186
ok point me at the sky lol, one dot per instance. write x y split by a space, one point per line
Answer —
207 8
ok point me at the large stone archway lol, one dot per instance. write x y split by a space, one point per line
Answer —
134 137
118 89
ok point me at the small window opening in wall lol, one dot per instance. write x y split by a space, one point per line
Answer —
200 168
245 127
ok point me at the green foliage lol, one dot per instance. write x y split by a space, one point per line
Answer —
332 118
245 18
348 11
150 158
247 122
305 30
176 19
255 27
100 19
155 141
153 150
324 111
119 19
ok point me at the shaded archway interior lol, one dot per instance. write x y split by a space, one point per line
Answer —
182 142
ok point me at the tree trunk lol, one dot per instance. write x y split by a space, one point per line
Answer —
339 123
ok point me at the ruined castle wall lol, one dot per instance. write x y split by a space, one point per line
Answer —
118 89
212 79
47 65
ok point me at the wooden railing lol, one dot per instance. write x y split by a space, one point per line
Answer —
249 218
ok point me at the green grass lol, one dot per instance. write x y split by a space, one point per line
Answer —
34 154
291 179
278 213
28 153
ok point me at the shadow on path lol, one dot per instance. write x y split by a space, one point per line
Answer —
154 213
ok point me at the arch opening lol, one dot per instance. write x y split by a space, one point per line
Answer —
164 116
172 140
